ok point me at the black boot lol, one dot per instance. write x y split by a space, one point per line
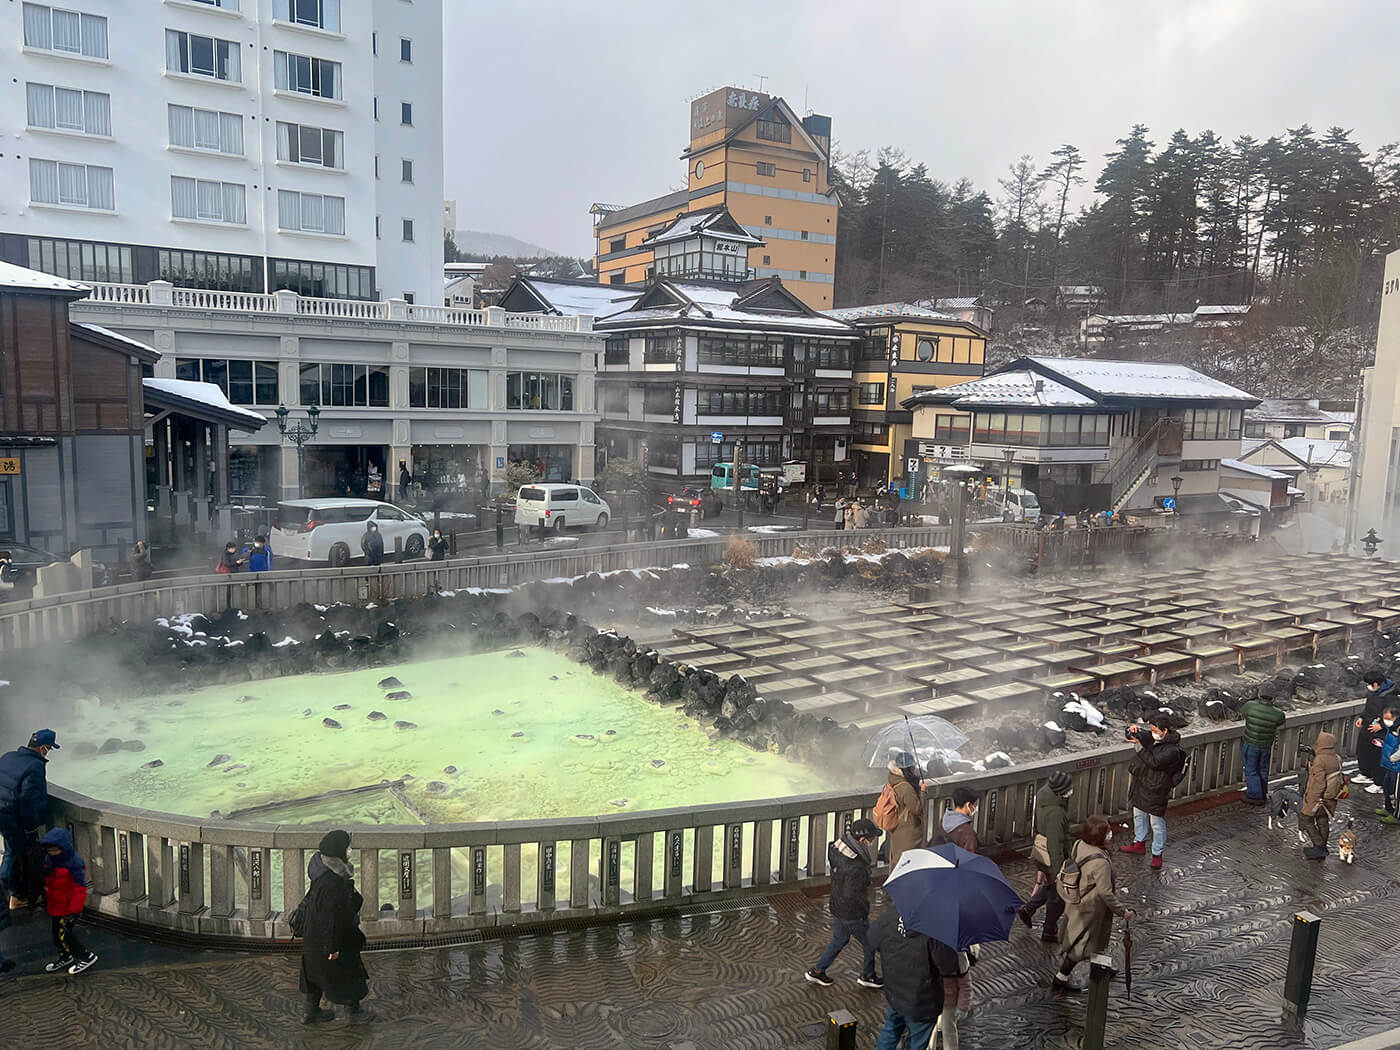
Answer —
313 1014
359 1015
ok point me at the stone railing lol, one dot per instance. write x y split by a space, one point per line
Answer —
67 616
163 293
237 880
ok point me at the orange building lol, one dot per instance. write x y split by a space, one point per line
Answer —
769 167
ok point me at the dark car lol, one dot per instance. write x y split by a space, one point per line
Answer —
706 501
27 562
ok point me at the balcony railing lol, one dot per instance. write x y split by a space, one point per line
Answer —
163 294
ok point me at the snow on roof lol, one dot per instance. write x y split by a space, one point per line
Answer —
1025 388
1258 499
1318 451
957 302
693 223
715 303
1250 468
136 343
1080 289
1348 417
204 393
595 300
25 279
1288 410
1224 310
912 310
1140 379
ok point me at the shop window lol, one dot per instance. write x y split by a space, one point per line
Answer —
542 391
447 388
872 393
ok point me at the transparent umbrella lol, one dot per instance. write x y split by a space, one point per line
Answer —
921 736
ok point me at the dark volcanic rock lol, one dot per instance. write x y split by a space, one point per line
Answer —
515 654
405 725
133 745
244 699
390 683
377 716
218 760
330 723
110 745
436 787
341 707
449 770
154 763
497 711
1053 735
399 694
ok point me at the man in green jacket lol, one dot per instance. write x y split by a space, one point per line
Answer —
1262 720
1052 821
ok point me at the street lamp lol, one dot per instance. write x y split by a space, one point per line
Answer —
960 474
1370 542
1008 454
1176 480
299 434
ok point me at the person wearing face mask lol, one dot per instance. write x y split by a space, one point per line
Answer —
1090 924
1155 770
849 859
1390 766
1051 821
1380 693
437 546
957 822
1323 787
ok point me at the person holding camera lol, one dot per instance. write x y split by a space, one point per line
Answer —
1155 770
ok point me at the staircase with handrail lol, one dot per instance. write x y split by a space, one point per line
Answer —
1140 461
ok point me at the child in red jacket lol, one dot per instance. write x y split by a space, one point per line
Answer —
65 893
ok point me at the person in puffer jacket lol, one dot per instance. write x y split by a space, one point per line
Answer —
914 965
849 859
65 893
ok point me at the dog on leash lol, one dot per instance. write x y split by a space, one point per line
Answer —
1346 844
1285 802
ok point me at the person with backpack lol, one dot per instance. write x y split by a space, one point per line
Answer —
1085 883
849 859
1052 825
900 808
1262 721
1156 770
1323 789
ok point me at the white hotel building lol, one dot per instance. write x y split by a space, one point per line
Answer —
241 145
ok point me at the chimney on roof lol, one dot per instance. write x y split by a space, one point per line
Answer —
1039 386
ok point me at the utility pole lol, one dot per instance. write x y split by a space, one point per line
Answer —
738 482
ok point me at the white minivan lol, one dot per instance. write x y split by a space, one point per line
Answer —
329 530
557 506
1020 505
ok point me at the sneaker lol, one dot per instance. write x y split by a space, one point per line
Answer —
1381 811
1388 819
1156 860
1134 847
1025 917
1375 789
83 963
819 977
62 963
1063 984
1359 778
16 903
318 1015
870 982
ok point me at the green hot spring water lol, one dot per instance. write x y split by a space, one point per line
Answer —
532 736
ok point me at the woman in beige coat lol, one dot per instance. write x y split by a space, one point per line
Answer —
909 806
1089 924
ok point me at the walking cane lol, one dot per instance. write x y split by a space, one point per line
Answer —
1128 956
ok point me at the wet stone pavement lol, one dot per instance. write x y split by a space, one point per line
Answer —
1209 957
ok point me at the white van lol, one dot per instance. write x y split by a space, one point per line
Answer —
329 530
1020 505
557 506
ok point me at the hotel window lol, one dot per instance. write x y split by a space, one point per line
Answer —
801 275
68 109
230 273
618 278
768 220
81 260
1199 465
207 201
206 129
546 391
317 147
321 14
662 349
617 245
406 113
1211 424
71 32
952 429
737 402
806 174
768 260
318 77
447 388
737 350
202 56
871 393
226 5
310 212
405 50
408 229
376 228
406 174
613 399
764 168
76 185
775 129
615 351
831 402
345 386
658 400
323 279
874 344
805 235
243 382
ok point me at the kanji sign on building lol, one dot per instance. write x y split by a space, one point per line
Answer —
9 465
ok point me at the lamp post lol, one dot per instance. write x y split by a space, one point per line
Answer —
1008 454
1370 542
960 474
1176 480
299 434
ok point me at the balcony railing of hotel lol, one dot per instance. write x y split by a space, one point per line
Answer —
164 294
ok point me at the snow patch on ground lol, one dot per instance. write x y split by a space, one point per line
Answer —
703 534
768 529
1091 714
661 612
289 640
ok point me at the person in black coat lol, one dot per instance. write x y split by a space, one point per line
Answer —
437 546
913 964
849 859
24 809
372 544
1154 772
1380 694
331 942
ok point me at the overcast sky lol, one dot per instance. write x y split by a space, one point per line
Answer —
551 106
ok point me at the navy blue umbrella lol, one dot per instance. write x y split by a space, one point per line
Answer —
953 896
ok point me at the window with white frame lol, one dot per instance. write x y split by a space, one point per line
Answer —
68 109
407 173
71 32
206 129
320 14
202 56
310 212
406 113
207 200
226 5
304 144
77 185
319 77
408 229
405 49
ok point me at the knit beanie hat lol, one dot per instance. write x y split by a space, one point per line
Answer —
335 844
1061 782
